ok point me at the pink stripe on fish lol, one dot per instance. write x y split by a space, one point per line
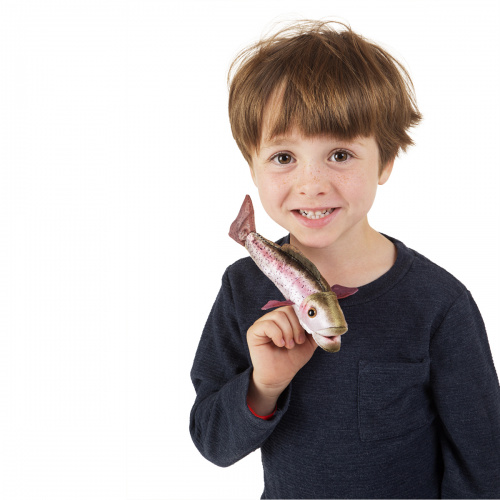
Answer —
290 280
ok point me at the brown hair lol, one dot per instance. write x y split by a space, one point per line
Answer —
327 82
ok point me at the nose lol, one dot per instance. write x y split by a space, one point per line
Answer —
311 181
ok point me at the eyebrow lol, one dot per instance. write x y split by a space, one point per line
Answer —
282 139
277 140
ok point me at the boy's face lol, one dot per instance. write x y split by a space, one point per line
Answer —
298 177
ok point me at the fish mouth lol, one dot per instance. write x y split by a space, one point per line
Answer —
329 344
333 331
329 338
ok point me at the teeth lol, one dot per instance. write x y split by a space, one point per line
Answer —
316 215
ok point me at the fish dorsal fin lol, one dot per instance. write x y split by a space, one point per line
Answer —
298 255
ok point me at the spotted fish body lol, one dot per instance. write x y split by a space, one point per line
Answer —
298 279
281 268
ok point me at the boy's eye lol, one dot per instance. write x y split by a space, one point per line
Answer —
341 156
282 158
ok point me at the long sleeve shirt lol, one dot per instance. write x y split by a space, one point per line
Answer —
408 408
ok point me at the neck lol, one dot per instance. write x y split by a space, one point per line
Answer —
352 260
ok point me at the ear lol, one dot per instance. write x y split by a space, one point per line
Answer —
386 172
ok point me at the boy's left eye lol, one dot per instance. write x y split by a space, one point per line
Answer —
340 156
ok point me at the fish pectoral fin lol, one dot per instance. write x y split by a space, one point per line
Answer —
343 291
277 303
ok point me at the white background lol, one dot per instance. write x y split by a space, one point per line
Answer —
119 180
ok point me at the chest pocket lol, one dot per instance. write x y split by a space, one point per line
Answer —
393 399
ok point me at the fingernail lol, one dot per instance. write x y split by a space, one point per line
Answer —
302 338
291 343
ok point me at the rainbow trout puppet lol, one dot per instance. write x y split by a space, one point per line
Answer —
298 279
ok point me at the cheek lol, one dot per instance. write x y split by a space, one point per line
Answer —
271 197
359 189
274 187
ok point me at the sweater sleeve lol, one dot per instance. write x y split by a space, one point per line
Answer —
222 426
467 398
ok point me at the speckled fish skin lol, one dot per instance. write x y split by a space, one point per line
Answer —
297 278
292 279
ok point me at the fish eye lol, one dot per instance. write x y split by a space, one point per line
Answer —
312 312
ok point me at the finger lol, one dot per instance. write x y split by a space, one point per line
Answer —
286 320
282 319
298 331
265 331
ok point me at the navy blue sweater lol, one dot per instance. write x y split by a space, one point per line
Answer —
408 408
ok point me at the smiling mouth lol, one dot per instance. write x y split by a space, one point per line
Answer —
318 214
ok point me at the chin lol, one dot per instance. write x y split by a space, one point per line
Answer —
317 242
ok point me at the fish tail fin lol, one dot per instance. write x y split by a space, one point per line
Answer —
244 223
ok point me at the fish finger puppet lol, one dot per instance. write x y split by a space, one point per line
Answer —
298 279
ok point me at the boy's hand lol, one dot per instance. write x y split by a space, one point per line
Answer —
279 348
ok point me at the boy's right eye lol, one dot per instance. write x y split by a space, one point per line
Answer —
282 158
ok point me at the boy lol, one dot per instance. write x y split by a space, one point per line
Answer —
410 405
